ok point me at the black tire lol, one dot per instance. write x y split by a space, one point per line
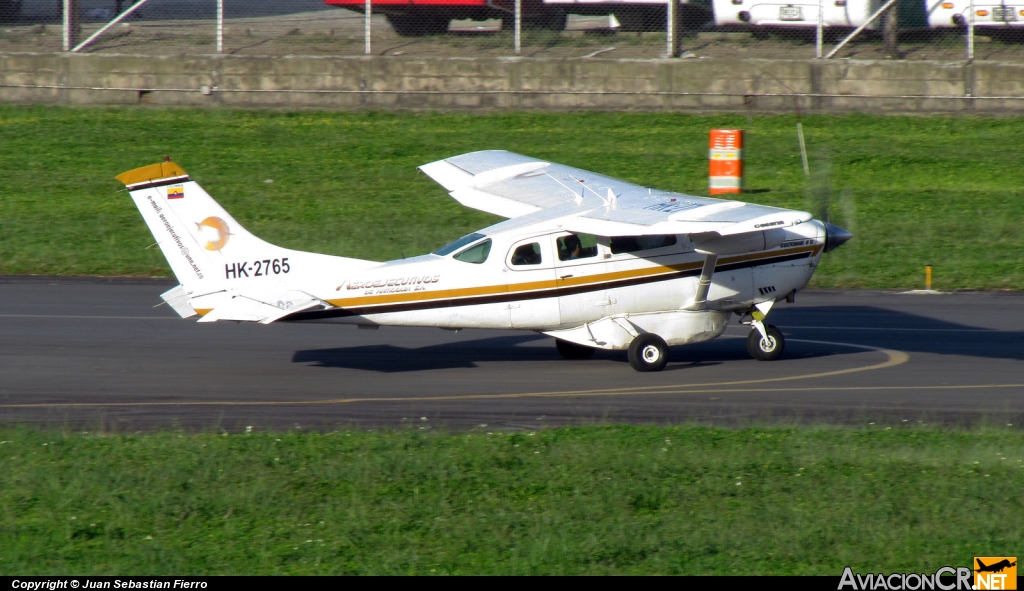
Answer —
414 25
648 352
766 351
572 350
10 11
554 21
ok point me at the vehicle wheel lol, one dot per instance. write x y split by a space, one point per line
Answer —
572 350
407 25
648 352
553 20
766 350
10 11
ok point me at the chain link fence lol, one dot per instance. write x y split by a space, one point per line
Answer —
651 29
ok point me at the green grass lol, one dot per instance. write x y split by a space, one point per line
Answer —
916 191
574 500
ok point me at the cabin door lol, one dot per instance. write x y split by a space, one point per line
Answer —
533 301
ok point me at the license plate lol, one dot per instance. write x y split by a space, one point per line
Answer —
791 13
1004 14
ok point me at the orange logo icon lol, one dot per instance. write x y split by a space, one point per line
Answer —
995 572
215 231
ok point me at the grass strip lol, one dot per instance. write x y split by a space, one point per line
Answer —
915 191
615 499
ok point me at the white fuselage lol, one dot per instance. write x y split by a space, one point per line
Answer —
572 298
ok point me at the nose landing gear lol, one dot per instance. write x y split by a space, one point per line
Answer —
765 342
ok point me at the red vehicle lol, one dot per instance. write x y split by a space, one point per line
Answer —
415 18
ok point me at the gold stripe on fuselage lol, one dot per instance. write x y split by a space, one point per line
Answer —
532 286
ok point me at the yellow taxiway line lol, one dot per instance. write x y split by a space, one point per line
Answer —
893 358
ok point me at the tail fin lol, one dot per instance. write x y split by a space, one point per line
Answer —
204 244
194 232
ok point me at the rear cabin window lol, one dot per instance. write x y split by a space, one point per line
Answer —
475 254
621 244
576 246
527 254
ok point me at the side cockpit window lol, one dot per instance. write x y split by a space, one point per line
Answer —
576 246
527 254
475 254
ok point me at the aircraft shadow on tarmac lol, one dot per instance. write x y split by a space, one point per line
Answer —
874 326
468 354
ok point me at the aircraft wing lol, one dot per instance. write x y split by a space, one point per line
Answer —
512 185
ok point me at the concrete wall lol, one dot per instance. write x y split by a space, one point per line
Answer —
511 83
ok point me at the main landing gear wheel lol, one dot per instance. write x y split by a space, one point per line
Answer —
768 349
648 352
572 350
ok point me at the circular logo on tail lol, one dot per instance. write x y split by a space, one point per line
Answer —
215 231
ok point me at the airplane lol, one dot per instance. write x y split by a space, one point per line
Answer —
593 261
994 568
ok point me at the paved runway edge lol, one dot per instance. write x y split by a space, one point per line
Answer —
88 351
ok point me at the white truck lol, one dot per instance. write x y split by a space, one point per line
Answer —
801 13
992 15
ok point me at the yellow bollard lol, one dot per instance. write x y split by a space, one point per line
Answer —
928 277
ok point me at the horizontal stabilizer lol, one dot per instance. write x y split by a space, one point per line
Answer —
177 299
242 308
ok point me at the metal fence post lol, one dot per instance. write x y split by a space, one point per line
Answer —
890 30
367 14
220 26
970 32
519 27
70 23
821 26
670 28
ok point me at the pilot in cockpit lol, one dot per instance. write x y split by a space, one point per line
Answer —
573 246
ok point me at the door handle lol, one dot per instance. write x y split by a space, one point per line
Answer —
566 276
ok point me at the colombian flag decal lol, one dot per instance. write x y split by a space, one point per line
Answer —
175 192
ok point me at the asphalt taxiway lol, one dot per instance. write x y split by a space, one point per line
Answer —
95 352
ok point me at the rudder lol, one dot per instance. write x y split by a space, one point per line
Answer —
226 273
196 235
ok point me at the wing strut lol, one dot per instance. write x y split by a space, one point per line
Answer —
700 299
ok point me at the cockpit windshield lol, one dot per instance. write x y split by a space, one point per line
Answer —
451 247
